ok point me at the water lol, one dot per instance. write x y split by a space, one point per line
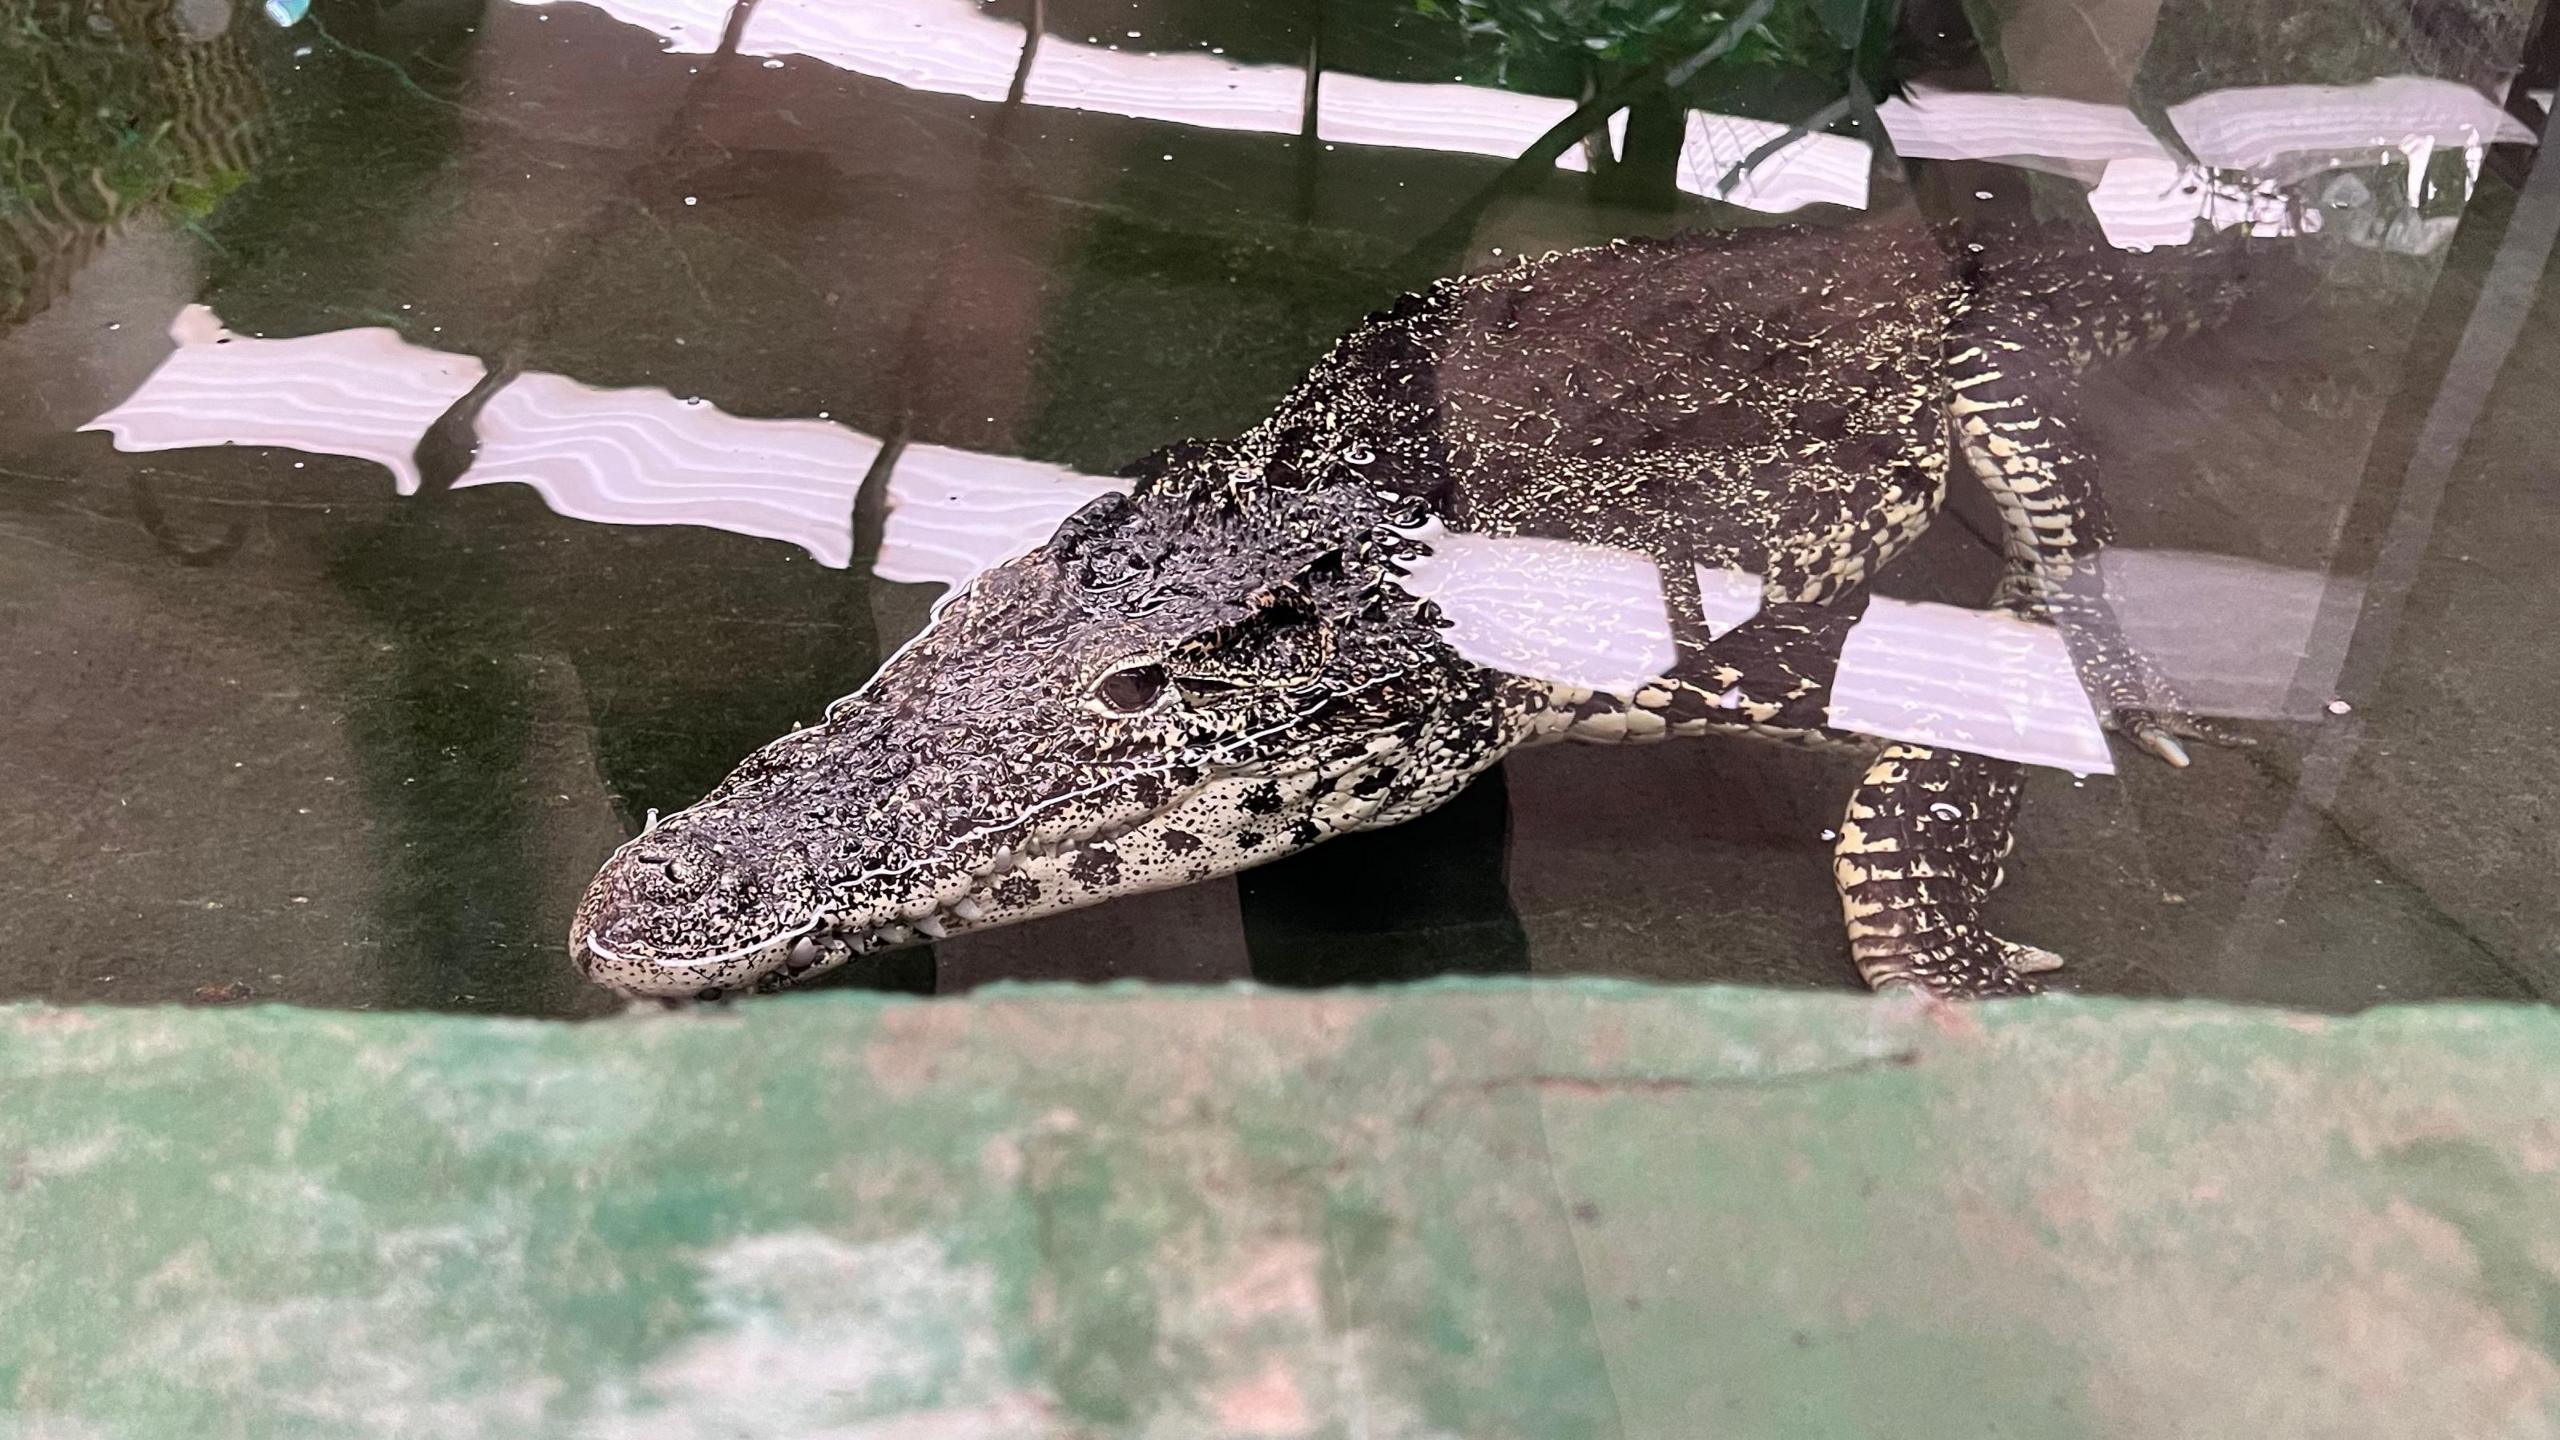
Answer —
335 672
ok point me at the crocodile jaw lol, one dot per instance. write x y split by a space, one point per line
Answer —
1223 826
1216 828
990 772
740 893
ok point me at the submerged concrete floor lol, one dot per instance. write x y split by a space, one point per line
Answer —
1482 1211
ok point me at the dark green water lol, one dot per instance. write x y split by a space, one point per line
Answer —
270 729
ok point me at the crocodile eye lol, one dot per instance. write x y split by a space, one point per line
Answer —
1133 689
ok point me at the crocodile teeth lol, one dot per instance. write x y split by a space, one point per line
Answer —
931 925
968 909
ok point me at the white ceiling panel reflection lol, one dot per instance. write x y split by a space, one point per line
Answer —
953 513
951 47
1974 680
1586 615
2230 633
645 457
2145 196
367 394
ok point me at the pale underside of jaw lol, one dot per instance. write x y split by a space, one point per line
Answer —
1223 826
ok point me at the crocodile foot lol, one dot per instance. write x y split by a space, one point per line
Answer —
2164 732
2136 700
1915 861
1964 962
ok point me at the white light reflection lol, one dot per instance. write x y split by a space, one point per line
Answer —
950 47
2145 197
1586 615
2254 127
1472 120
2143 204
1973 680
953 513
365 393
2229 632
644 457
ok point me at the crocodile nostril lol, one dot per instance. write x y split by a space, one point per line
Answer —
698 904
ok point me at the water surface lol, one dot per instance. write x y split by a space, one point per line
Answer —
337 667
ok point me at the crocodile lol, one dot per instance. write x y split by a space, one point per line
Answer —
1221 666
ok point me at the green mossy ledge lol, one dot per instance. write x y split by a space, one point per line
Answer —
1462 1210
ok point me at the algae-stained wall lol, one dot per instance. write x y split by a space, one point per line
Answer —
1485 1211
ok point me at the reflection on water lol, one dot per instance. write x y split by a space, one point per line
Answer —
366 394
953 47
644 457
783 351
1581 614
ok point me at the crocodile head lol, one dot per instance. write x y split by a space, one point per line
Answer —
1197 677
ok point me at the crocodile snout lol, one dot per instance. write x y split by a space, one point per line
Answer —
690 908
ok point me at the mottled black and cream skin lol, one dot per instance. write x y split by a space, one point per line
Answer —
1221 667
1166 691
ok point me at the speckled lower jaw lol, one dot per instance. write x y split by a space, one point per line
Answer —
692 977
1228 824
987 894
919 908
1222 827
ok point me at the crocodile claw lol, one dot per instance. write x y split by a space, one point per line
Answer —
2160 741
1961 963
2029 959
2166 747
2128 688
2165 733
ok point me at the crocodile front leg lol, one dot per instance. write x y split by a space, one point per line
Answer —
1918 855
2011 416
